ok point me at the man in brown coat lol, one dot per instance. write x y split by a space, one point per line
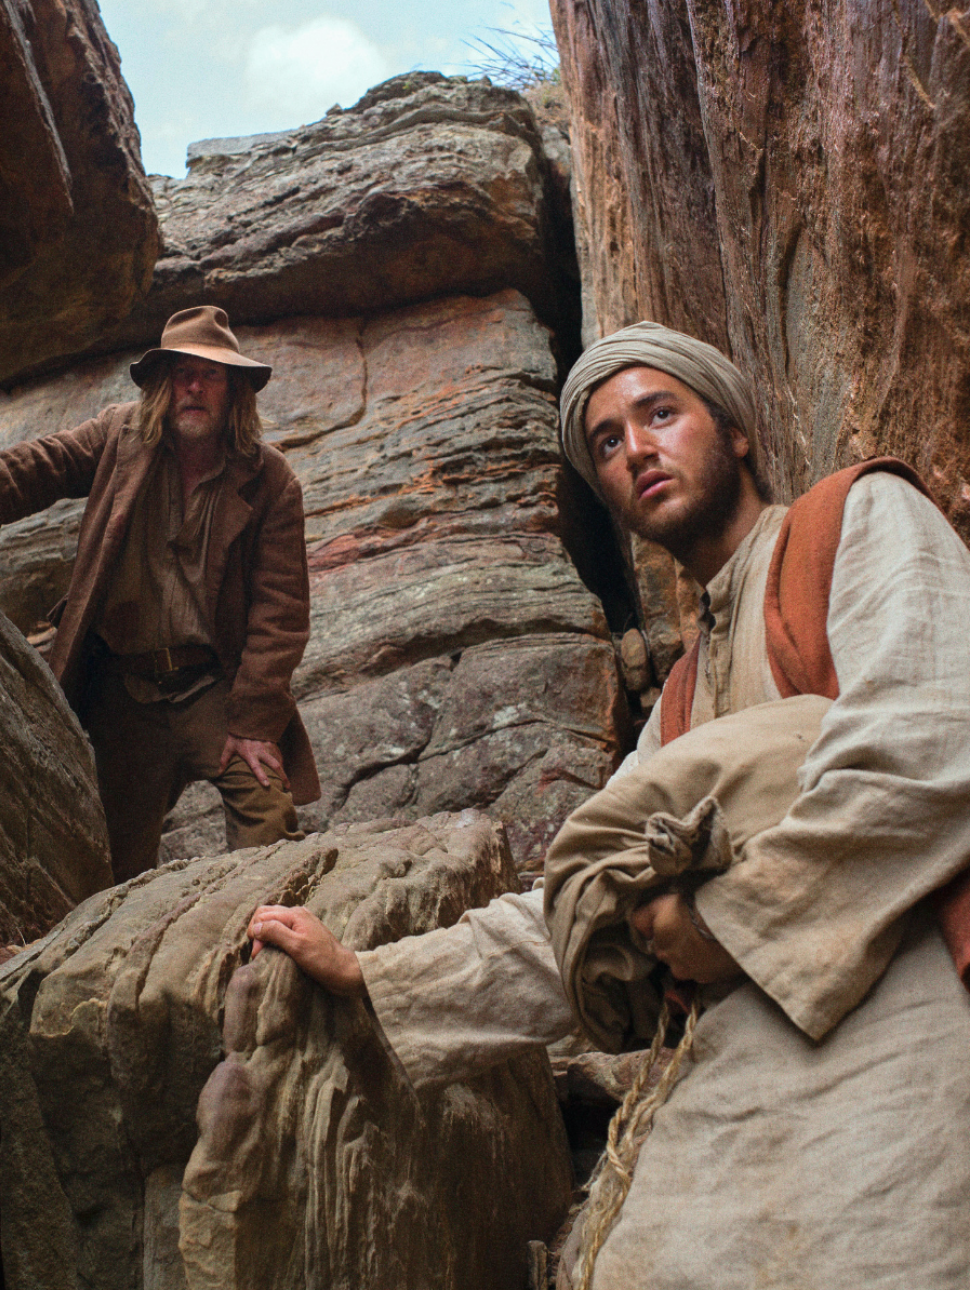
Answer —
188 608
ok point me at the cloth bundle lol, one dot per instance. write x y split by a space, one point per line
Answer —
682 817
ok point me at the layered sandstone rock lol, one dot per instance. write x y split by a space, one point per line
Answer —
314 1162
78 230
456 657
53 841
428 187
791 184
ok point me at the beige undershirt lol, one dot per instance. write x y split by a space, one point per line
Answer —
156 599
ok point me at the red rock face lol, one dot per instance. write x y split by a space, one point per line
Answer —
790 183
78 229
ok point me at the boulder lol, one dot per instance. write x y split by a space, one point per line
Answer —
427 187
456 657
53 840
791 184
78 230
187 1119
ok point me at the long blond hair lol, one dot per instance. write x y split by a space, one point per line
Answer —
243 426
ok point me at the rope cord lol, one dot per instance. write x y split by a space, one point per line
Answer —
628 1129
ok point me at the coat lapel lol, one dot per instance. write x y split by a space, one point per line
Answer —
133 463
231 517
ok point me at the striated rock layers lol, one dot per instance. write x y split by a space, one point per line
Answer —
427 187
457 659
314 1163
78 229
53 841
789 182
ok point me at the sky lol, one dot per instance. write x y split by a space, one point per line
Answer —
202 69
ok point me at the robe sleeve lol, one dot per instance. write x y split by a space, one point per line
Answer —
457 1000
818 905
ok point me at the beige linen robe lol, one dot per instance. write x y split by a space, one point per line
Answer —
820 1137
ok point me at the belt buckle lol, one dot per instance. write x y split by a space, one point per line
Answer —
169 667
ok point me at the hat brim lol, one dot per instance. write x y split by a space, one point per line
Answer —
258 373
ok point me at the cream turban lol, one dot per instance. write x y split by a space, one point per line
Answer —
647 344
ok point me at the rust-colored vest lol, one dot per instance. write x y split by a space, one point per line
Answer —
796 611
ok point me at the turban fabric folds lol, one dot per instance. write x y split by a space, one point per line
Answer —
646 344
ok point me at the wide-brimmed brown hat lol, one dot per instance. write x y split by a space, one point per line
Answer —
202 332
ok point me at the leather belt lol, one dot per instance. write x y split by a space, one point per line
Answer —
160 662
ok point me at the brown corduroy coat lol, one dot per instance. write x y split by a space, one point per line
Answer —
256 581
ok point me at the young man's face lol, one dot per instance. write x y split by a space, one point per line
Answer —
666 470
200 398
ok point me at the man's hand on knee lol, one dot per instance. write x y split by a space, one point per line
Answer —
256 753
310 945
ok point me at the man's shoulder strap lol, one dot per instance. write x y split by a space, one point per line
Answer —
796 598
800 581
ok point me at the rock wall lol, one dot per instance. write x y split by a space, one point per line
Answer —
789 183
314 1162
78 229
426 188
457 659
53 840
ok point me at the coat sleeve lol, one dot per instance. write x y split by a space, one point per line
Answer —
818 906
39 472
261 703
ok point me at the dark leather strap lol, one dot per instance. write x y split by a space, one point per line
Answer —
160 662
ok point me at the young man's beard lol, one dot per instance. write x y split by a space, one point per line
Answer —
709 511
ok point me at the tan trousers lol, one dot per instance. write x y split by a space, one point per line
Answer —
147 753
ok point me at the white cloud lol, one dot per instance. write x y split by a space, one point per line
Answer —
300 72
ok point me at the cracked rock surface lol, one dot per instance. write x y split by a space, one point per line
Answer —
78 228
313 1162
427 187
456 657
53 840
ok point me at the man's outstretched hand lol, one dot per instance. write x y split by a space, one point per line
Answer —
310 945
684 943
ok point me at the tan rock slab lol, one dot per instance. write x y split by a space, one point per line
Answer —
313 1162
53 838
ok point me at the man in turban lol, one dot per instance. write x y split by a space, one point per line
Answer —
188 607
819 1134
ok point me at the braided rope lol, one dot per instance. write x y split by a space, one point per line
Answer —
628 1129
